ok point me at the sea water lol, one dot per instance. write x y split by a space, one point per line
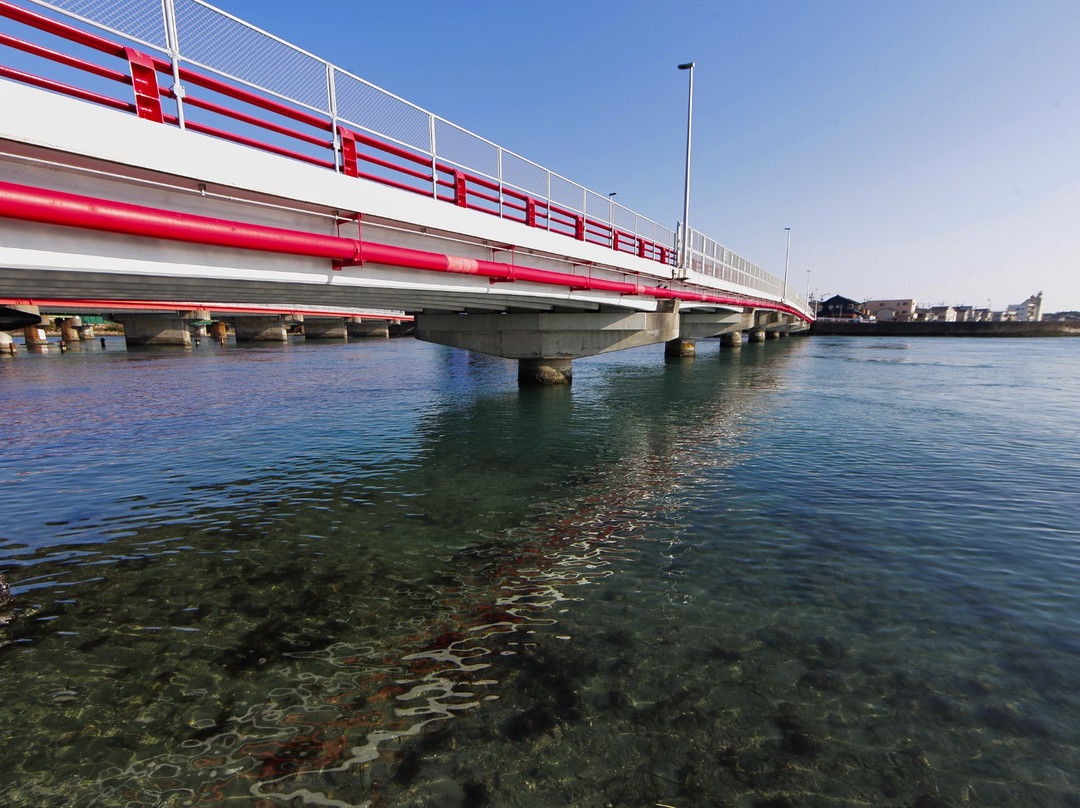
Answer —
811 572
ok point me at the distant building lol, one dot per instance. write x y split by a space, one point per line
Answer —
1030 311
901 311
965 314
839 306
941 314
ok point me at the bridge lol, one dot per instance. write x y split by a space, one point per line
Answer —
165 155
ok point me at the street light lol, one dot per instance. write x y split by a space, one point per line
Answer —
808 285
787 258
686 186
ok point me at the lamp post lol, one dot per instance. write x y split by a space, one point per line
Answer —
683 241
787 258
808 284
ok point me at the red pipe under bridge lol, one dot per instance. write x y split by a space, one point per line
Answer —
194 182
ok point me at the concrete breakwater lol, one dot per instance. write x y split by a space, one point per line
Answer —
857 328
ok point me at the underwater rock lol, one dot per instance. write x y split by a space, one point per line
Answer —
5 594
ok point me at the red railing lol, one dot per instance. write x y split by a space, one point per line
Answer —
272 125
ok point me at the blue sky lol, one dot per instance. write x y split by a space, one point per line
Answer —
916 149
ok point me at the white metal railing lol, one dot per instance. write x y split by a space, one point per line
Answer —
707 257
196 34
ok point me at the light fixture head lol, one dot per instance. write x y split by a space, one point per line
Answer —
686 66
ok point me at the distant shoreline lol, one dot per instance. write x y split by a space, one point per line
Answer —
856 328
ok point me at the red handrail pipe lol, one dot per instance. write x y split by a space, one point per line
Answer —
72 210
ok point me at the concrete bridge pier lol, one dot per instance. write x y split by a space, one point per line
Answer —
154 329
261 328
69 328
219 331
772 335
545 344
680 348
732 339
325 327
32 334
359 327
542 372
756 335
86 332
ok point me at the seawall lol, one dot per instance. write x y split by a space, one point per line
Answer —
854 328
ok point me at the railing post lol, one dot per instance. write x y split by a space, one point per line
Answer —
144 81
499 153
548 208
172 41
579 226
434 159
331 97
530 212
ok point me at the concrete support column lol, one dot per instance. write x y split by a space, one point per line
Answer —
541 372
732 339
7 344
85 331
68 328
679 347
261 329
34 335
757 335
772 335
359 327
325 327
783 334
219 332
154 329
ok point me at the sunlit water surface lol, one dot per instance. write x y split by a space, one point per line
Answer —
815 572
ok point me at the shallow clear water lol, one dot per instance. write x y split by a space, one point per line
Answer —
814 572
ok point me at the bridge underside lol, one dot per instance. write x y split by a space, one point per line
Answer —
127 210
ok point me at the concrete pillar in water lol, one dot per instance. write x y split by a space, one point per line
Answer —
154 329
540 372
219 332
7 344
325 327
732 339
68 330
679 347
261 329
34 335
359 327
772 335
85 331
756 336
